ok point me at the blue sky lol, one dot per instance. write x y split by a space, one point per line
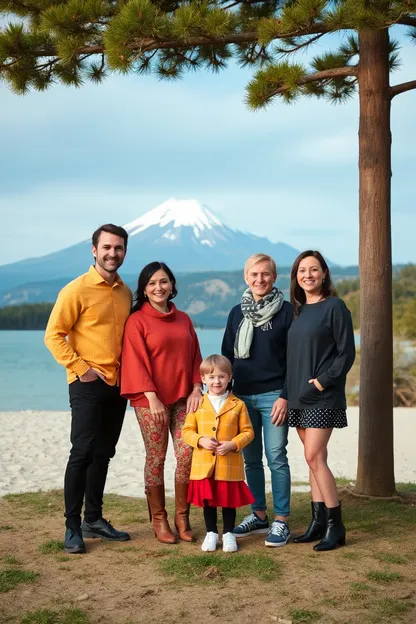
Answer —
73 159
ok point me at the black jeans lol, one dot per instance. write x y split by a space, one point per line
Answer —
97 418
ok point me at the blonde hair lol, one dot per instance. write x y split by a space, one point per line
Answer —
215 361
259 257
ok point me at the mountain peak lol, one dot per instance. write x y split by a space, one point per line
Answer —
176 213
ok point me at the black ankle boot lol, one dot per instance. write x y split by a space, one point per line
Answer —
317 526
335 530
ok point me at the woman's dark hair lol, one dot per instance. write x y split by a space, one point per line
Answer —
145 276
297 294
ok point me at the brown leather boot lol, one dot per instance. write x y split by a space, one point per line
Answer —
157 514
182 512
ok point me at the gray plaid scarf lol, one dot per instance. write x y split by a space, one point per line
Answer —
255 314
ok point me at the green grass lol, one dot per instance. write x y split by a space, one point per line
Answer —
389 607
359 587
344 481
391 558
62 558
6 527
350 555
304 615
48 616
406 487
216 566
37 503
10 578
10 560
383 577
51 547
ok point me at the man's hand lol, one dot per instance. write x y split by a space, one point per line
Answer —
279 412
91 375
224 448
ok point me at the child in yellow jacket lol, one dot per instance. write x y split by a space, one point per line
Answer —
218 431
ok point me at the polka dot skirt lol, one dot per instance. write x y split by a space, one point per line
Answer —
318 418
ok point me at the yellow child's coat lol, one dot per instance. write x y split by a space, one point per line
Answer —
231 423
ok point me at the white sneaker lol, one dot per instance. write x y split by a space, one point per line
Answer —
229 543
210 542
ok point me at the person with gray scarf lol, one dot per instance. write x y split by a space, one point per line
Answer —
255 342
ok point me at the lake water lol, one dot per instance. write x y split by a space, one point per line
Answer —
30 378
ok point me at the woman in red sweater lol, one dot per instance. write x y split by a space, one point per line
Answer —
160 376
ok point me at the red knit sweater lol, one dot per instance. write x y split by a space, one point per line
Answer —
160 354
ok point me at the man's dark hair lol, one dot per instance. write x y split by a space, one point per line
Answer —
111 229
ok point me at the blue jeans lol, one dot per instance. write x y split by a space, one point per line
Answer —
259 407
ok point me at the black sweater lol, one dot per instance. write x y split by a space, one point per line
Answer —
265 369
320 346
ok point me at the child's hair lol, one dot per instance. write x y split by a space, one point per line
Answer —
215 361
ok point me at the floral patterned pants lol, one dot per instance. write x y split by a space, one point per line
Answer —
155 436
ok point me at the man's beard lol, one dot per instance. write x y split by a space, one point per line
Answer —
112 269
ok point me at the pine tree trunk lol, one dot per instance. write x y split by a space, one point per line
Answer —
375 475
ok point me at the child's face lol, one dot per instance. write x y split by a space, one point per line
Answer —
216 381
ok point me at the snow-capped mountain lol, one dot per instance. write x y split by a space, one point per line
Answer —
185 234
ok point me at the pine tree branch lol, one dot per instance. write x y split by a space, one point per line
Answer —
326 74
146 44
402 88
407 20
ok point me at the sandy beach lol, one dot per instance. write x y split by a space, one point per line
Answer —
34 448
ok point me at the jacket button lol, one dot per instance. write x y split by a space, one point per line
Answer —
213 453
214 428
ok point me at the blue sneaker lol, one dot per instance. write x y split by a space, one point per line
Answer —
279 534
251 525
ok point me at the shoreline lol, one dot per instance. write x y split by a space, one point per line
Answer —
35 445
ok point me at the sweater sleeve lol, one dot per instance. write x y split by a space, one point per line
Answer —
246 431
196 355
288 323
189 431
64 315
227 347
343 333
136 369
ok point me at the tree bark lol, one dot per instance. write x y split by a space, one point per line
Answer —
375 476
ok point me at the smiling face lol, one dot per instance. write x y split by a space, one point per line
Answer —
109 253
158 289
310 276
216 381
260 278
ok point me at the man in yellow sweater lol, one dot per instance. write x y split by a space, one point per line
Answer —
84 334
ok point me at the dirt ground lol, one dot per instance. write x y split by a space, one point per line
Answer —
371 580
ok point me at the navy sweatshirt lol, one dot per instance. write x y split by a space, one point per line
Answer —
265 369
320 346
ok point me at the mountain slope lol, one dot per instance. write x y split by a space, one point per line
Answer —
183 233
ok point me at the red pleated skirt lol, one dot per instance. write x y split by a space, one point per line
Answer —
219 493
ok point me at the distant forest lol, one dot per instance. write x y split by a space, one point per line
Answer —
35 315
404 301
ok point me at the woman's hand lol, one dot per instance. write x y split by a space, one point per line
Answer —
224 448
316 384
194 400
157 409
208 443
279 412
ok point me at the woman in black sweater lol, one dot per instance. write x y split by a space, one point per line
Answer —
320 353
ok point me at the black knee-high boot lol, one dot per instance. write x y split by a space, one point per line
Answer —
317 526
335 530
